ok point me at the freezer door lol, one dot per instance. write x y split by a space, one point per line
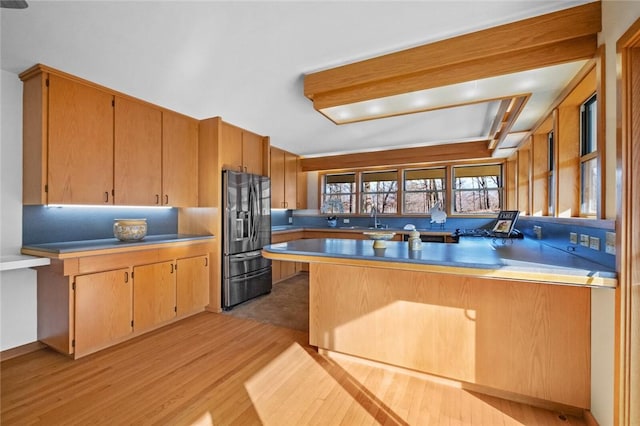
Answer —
244 263
247 212
241 288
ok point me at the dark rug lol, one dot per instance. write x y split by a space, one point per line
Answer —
286 306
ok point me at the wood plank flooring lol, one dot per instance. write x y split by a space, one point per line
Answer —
214 369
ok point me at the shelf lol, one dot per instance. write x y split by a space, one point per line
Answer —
20 261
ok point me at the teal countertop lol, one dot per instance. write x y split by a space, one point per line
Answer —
505 258
110 243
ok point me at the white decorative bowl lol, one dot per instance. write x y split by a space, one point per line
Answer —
379 238
129 229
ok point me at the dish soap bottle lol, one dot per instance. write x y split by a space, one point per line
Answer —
415 243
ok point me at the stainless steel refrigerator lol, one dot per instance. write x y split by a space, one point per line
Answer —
246 228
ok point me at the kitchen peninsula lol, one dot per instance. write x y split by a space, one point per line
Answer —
508 318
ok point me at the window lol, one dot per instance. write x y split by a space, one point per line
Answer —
339 194
380 189
551 179
423 189
477 189
589 193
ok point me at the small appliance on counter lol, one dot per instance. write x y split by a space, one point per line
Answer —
246 228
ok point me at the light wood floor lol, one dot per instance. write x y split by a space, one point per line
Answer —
213 369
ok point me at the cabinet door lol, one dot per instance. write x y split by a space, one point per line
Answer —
154 294
192 284
230 148
277 178
290 180
301 186
179 160
253 153
102 309
138 153
80 148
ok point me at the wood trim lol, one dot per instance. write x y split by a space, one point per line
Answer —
602 127
488 51
627 321
27 348
395 157
589 419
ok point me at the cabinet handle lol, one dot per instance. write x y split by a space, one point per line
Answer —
245 169
126 277
172 268
206 261
166 199
106 196
157 199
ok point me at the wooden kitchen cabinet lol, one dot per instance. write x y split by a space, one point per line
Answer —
284 168
192 290
86 144
179 160
241 150
301 186
97 298
102 309
154 294
137 153
68 141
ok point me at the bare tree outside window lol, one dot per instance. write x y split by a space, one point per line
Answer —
477 189
423 189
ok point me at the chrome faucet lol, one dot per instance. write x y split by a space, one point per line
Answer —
374 215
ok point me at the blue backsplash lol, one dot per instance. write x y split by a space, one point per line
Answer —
280 217
44 224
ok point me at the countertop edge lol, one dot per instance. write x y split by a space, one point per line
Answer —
106 249
551 276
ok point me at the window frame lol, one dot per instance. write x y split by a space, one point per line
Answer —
500 188
400 170
589 142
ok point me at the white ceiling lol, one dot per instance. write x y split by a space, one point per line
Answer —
245 61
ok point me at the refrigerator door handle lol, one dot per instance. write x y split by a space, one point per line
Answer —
242 257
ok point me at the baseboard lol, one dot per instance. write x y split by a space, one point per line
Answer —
589 419
471 387
21 350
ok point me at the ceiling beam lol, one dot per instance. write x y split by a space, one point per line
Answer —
550 39
398 157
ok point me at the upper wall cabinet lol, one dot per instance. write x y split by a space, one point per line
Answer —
241 150
284 168
85 144
68 142
138 154
179 160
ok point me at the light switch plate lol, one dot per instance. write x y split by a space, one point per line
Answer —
594 243
573 237
345 220
610 243
290 220
584 240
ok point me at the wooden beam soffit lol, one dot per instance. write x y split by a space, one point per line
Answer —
550 39
400 157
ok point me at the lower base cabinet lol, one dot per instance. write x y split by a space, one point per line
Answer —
81 311
103 309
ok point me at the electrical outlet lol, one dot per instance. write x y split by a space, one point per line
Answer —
573 238
290 220
594 243
610 243
584 240
345 220
537 230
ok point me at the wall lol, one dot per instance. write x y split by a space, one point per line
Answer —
18 287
